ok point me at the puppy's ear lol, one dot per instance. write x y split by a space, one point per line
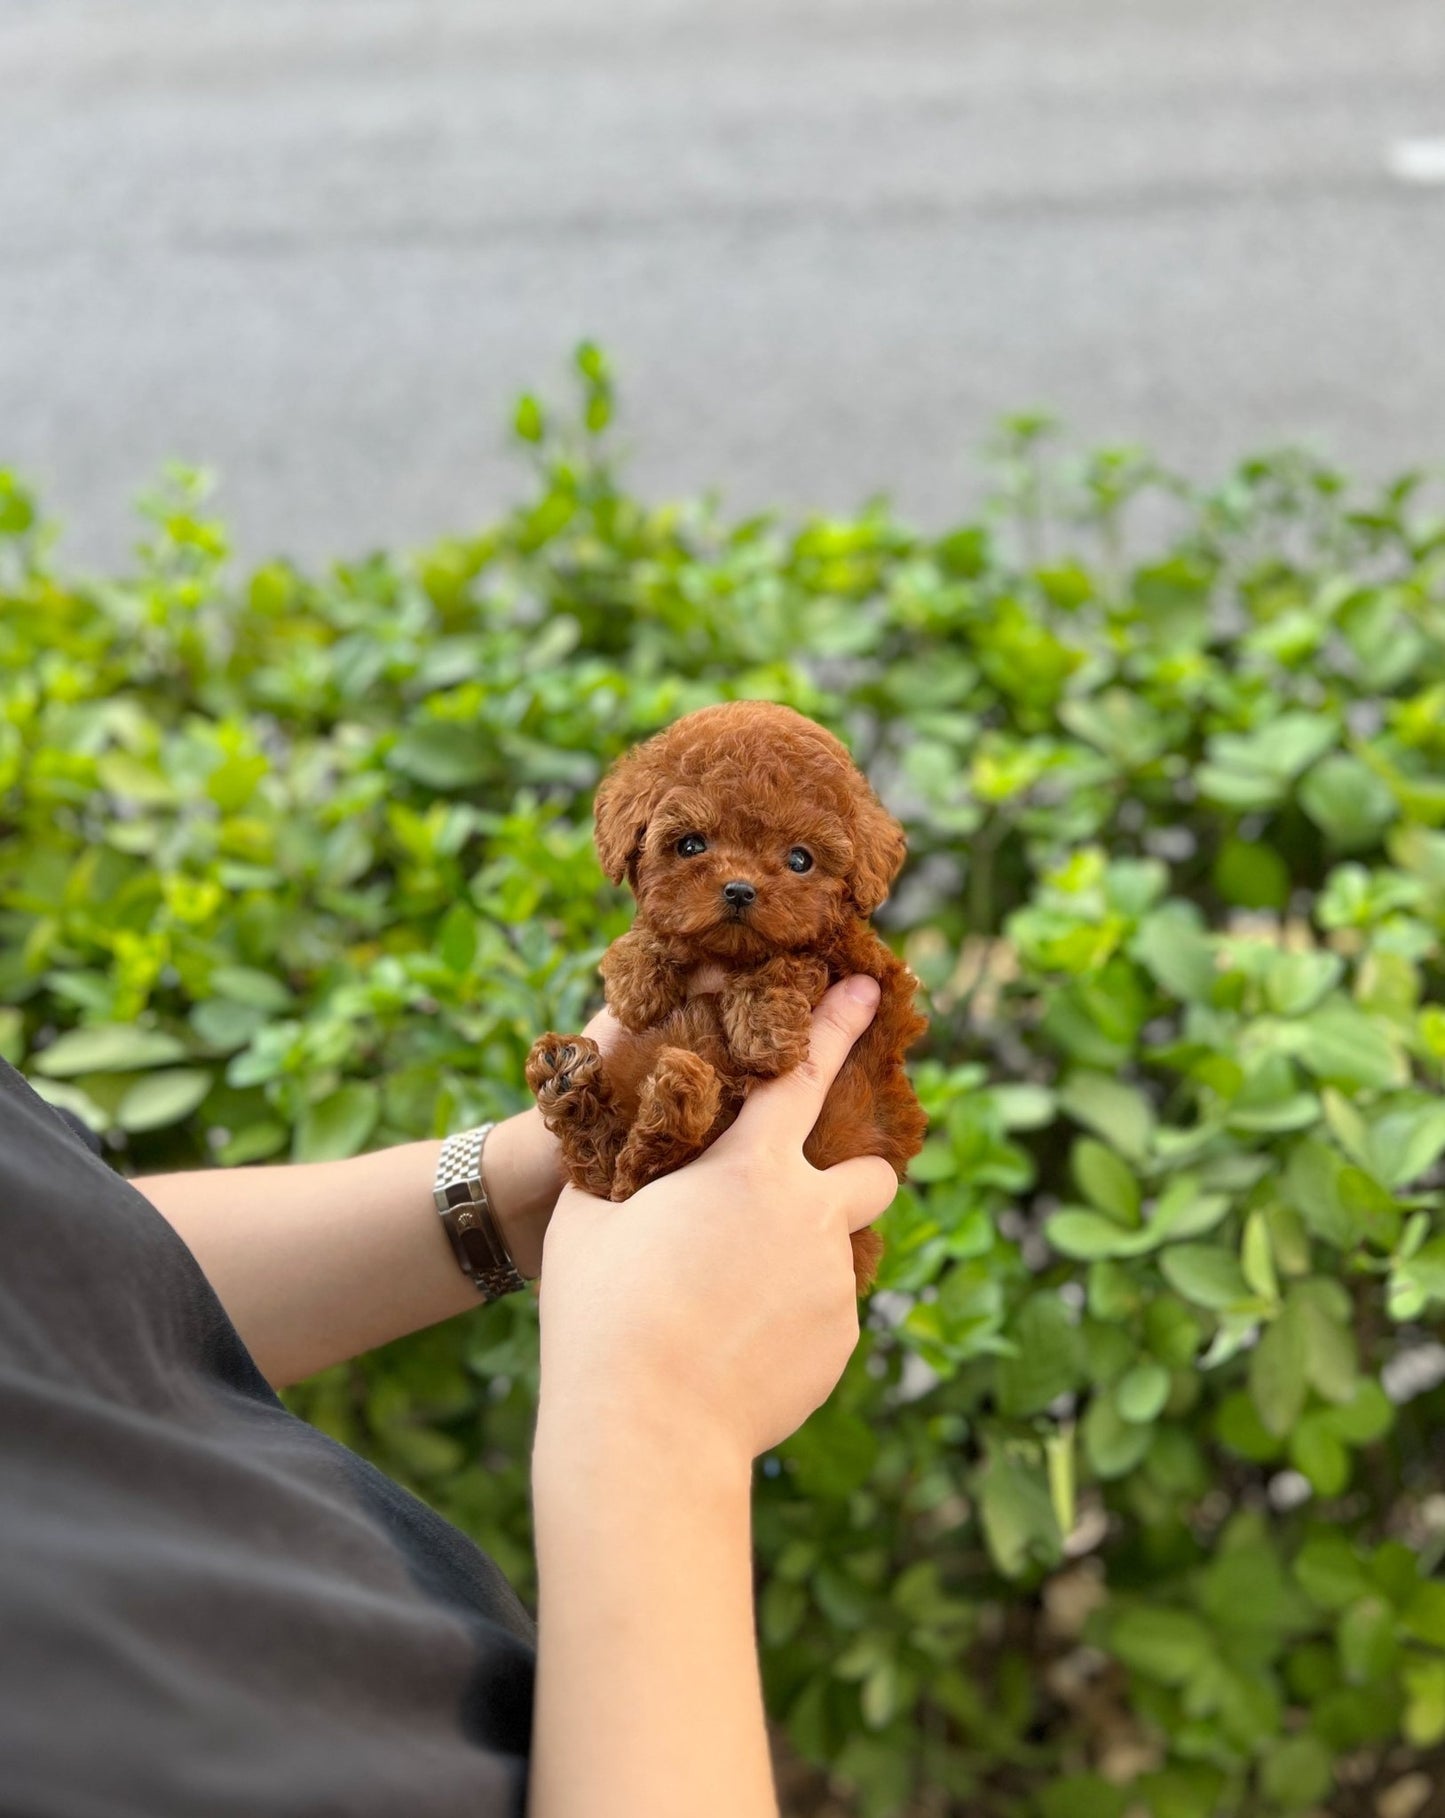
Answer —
879 848
625 798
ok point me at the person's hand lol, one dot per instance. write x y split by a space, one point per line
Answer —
522 1164
722 1297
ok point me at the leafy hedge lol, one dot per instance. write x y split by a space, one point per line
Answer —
1131 1499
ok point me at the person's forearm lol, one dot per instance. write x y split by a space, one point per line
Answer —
648 1697
317 1262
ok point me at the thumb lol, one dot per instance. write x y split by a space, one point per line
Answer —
785 1109
864 1188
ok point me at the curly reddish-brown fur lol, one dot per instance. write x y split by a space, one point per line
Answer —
565 1074
726 795
677 1106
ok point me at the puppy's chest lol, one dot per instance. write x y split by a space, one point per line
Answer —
749 1025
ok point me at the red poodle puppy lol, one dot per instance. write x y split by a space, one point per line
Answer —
756 852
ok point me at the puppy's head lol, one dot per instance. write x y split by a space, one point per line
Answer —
745 829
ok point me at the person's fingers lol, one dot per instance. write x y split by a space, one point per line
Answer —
605 1030
864 1188
786 1109
576 1200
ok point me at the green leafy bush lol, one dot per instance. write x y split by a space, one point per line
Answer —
1130 1500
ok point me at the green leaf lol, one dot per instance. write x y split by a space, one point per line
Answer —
833 1453
1256 1258
223 1026
1172 1332
456 939
338 1125
1106 1181
1347 801
1018 1515
71 1098
1170 1646
1279 749
249 985
1183 1211
1417 1280
1329 1345
1022 1106
1181 1790
1207 1275
1288 1238
162 1099
1090 1235
1081 1796
1242 1431
1172 945
255 1142
1296 982
1367 1416
1312 1184
1424 1615
781 1610
1140 1394
443 756
1047 1361
1330 1571
935 1161
131 780
1240 789
1366 1641
1347 1126
1118 1113
1251 876
879 1698
527 421
1370 1207
1406 1144
1112 1445
1317 1453
1297 1772
1344 1047
1424 1719
107 1048
1277 1373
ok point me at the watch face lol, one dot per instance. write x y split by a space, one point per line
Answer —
462 1203
478 1250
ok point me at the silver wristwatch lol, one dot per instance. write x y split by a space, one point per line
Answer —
461 1202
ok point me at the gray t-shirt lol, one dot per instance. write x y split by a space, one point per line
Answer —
207 1608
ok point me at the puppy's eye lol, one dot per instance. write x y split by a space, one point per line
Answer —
690 845
799 859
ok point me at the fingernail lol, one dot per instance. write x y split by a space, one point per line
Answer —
862 989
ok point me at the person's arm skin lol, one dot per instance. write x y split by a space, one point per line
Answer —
683 1333
316 1262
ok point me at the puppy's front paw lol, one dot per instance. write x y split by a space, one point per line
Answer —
767 1030
565 1074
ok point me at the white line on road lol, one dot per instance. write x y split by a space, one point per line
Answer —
1417 160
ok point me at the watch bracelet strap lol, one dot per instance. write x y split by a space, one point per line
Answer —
466 1213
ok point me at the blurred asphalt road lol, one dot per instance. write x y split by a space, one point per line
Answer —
321 244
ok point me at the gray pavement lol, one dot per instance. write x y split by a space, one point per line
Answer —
321 244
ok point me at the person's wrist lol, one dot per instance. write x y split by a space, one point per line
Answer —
584 1437
522 1172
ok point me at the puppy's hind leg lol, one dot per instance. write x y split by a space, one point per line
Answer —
569 1082
676 1109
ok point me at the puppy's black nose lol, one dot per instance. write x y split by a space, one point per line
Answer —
739 893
